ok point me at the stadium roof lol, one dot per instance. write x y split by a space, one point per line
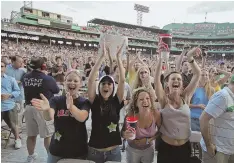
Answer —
125 25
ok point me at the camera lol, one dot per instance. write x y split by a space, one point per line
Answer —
204 50
186 47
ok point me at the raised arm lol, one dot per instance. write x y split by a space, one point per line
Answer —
93 73
120 89
111 61
128 60
189 90
179 60
223 80
203 61
140 60
157 83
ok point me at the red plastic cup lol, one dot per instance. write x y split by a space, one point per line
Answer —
166 39
131 122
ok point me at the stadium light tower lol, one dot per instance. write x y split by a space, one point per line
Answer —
140 9
28 4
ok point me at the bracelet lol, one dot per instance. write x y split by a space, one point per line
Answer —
192 61
147 141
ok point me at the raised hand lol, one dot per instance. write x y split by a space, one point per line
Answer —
119 50
193 52
104 48
69 101
41 104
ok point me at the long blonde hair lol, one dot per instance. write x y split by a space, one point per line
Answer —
208 87
138 82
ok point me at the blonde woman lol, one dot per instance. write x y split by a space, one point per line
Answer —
200 99
141 149
143 79
70 112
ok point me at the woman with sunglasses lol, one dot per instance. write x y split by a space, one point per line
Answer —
70 112
105 106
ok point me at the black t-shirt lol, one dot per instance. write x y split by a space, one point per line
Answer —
105 124
70 139
88 66
37 82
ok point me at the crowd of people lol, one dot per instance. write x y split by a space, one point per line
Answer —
146 102
203 41
167 99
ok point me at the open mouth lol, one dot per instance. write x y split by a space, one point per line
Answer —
71 88
145 106
105 91
175 86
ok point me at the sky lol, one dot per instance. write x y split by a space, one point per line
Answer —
161 12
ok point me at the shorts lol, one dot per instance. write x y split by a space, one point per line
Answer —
10 117
36 124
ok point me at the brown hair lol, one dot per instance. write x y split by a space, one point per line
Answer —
133 109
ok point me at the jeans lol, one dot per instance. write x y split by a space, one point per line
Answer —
140 156
54 159
101 157
195 124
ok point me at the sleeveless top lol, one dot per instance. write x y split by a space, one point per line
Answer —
144 133
176 123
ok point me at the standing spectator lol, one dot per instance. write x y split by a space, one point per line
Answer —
6 60
184 66
9 91
35 83
58 72
217 127
16 71
89 66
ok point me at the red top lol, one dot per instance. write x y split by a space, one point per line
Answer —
132 119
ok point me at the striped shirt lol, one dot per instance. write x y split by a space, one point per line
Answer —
221 108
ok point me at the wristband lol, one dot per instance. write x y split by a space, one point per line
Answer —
147 141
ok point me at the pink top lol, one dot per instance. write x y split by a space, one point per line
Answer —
144 133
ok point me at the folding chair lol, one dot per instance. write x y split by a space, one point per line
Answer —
195 143
6 138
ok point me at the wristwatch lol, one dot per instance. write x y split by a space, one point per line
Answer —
147 141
